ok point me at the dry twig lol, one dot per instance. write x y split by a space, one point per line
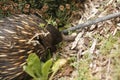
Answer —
91 22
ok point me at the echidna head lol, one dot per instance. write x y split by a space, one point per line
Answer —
55 34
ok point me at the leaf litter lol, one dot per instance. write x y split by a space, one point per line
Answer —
95 50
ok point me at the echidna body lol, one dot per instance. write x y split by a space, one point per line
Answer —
21 35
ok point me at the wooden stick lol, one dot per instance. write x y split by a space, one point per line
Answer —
91 22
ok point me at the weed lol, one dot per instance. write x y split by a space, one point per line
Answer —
36 68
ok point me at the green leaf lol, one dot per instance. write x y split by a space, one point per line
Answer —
46 68
28 70
37 69
42 25
33 67
58 64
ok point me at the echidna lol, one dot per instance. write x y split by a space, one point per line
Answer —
21 35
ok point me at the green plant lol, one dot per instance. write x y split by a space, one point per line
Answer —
36 68
108 44
61 11
82 67
57 66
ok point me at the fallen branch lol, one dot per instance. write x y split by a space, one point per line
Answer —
91 22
